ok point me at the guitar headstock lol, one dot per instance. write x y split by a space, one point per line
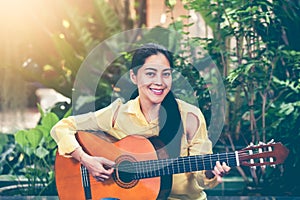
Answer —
263 154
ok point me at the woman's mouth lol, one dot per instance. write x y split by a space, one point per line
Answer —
157 91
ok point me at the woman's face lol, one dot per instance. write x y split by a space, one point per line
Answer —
153 79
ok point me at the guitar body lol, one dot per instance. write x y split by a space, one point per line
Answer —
69 180
143 169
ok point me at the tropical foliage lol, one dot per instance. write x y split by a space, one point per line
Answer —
28 157
255 47
256 50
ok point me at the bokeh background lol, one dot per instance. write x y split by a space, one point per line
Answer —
255 46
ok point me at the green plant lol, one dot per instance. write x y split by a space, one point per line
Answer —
28 159
256 51
37 150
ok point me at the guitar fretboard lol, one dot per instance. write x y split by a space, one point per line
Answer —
154 168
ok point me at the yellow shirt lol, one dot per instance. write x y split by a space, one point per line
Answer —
129 120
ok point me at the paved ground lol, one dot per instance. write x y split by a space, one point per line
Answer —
10 121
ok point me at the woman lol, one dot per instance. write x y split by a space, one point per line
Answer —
153 112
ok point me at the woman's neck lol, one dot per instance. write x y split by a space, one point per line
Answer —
150 111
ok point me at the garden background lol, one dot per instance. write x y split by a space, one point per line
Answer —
255 45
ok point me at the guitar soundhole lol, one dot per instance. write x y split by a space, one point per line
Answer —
124 172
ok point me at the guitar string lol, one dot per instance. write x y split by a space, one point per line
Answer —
183 160
155 164
167 162
172 167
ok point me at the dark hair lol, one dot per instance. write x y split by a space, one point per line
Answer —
170 123
149 49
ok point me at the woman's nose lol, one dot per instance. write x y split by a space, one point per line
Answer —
158 80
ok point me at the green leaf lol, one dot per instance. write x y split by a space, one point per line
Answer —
43 129
21 139
41 152
49 120
51 144
28 150
34 137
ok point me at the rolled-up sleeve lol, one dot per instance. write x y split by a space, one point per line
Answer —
64 131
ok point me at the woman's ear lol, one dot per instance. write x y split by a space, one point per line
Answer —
132 77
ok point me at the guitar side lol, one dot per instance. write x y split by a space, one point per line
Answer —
69 177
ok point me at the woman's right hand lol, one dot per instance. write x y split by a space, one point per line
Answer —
100 168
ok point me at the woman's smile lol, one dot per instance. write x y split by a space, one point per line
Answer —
157 91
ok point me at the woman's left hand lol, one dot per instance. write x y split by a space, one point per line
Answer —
220 170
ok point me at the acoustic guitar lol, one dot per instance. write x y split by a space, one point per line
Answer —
142 169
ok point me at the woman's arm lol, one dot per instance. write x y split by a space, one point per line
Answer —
200 144
64 135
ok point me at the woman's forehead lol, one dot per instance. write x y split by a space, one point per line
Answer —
157 60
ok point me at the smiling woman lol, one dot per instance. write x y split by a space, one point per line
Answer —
154 113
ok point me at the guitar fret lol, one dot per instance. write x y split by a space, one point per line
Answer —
172 165
197 167
161 167
139 170
148 170
190 164
155 170
184 170
158 169
203 162
167 166
178 167
143 171
227 159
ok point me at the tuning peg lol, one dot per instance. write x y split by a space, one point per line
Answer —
271 141
260 150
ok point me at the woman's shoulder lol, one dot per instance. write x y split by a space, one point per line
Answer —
127 106
186 107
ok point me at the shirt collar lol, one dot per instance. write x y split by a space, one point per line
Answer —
134 108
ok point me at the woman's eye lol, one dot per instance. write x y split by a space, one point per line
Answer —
150 74
166 74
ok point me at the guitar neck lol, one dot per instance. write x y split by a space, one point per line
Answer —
154 168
